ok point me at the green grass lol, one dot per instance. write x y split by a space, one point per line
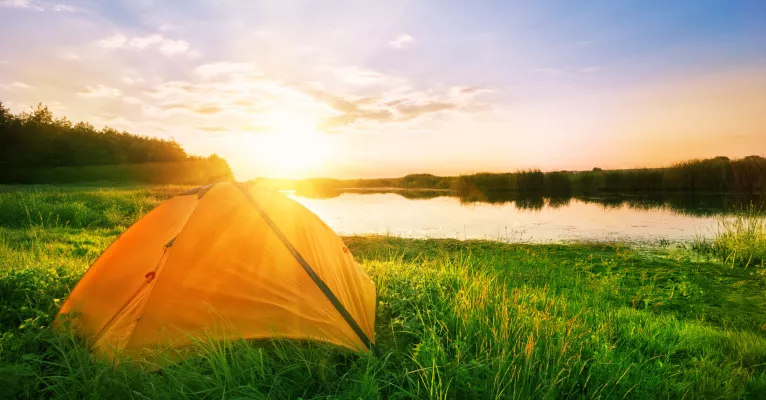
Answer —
42 207
456 319
740 240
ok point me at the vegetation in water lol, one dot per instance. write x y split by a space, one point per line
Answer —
718 175
740 239
470 319
697 204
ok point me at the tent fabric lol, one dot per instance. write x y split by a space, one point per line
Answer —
222 261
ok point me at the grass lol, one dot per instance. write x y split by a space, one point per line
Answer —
740 240
456 319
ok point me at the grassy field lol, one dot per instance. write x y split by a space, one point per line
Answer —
455 319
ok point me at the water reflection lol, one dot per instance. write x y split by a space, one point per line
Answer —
694 204
510 216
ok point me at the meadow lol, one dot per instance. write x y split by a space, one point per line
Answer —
456 319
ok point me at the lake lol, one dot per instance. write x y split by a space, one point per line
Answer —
511 217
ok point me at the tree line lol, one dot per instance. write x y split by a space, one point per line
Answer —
718 175
37 147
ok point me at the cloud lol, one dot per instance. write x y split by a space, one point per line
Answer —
395 101
359 76
36 5
400 110
400 41
170 89
549 71
129 80
115 41
100 91
591 69
213 129
208 110
15 85
256 128
398 107
240 97
470 91
114 121
164 45
225 68
17 4
172 47
355 116
132 100
335 102
144 42
415 110
62 8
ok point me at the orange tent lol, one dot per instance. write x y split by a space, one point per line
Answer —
219 261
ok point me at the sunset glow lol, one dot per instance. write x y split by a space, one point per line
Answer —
389 88
295 148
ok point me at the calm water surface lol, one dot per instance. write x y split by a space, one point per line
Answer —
524 220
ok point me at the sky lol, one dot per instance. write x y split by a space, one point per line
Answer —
384 88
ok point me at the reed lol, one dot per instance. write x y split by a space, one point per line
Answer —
740 240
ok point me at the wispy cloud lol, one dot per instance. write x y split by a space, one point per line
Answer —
132 80
566 71
549 71
15 85
208 71
213 128
100 91
255 74
400 41
36 5
397 106
471 90
238 95
132 100
358 76
16 4
62 8
164 45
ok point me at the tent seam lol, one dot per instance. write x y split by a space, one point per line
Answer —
167 250
114 243
312 274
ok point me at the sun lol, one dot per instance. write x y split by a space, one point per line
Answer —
295 148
